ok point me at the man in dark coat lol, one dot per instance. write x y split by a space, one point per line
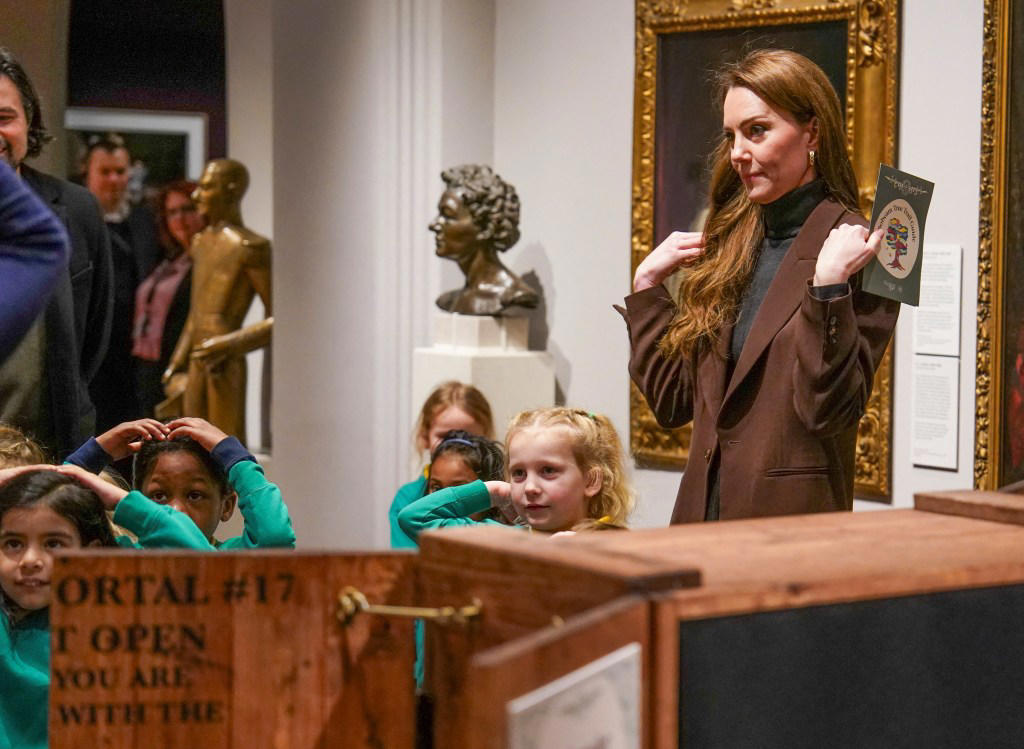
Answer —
134 251
44 383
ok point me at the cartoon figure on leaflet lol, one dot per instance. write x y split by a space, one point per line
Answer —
231 265
896 238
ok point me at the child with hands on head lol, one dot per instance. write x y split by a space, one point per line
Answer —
452 405
45 510
461 458
565 473
191 466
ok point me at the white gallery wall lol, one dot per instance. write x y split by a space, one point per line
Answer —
371 98
941 76
329 340
563 124
250 97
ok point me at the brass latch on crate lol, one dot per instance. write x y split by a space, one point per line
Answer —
351 602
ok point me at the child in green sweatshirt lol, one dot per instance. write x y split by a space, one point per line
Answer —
43 510
192 466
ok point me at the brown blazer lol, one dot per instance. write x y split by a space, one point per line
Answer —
784 428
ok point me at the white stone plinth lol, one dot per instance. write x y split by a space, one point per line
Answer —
472 331
491 354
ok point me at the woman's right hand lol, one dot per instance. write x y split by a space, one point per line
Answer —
679 248
125 439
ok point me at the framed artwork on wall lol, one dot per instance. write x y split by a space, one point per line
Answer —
999 392
171 145
679 45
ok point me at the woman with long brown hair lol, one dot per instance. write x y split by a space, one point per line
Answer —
770 347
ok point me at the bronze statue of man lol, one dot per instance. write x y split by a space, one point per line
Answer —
478 217
230 265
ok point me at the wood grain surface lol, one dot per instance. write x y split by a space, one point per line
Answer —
1002 506
158 649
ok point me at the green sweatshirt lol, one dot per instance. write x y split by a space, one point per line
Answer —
445 508
406 495
25 644
157 526
24 680
267 524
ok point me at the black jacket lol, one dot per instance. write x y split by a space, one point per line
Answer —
134 252
78 315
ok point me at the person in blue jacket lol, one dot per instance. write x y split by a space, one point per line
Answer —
33 254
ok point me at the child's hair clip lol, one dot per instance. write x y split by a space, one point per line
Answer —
457 441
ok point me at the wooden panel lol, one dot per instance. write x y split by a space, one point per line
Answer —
229 650
503 673
812 559
866 554
744 566
1000 507
523 581
620 557
664 678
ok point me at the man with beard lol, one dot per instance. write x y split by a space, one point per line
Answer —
44 382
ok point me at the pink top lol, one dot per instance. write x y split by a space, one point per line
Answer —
153 301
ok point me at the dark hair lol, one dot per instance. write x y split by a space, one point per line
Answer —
178 187
151 450
66 497
108 142
37 134
483 456
491 201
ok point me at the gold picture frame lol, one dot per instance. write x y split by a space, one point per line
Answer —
999 394
860 38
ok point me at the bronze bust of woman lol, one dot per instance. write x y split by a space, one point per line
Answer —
478 217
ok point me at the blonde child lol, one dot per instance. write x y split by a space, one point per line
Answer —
18 449
45 509
565 472
192 466
452 405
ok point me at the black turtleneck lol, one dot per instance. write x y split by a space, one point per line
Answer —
783 220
